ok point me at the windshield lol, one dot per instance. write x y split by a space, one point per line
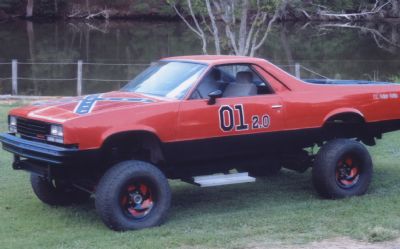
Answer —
168 79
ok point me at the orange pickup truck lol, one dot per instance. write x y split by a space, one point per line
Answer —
206 120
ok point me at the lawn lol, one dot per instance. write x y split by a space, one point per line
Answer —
283 209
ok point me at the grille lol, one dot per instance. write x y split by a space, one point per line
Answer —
32 128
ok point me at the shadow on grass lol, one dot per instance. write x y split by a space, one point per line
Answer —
189 200
268 191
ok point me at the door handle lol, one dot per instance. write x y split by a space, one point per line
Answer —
276 106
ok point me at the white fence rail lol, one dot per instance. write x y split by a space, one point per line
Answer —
80 77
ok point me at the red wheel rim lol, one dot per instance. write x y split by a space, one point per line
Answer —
137 200
347 171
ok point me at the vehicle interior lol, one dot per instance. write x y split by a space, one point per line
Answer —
236 80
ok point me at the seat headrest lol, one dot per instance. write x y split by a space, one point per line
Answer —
244 77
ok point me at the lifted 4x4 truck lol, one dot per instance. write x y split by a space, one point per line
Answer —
207 120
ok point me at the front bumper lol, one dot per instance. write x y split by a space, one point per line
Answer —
45 153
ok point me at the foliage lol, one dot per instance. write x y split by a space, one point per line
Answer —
120 42
344 5
11 6
48 8
395 78
340 52
150 7
199 6
238 27
45 8
379 234
42 8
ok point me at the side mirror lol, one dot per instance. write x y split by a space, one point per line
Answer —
214 95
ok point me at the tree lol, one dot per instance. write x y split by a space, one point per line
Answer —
238 26
385 38
348 10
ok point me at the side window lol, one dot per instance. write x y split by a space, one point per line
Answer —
212 81
234 80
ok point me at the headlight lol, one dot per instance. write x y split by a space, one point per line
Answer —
57 130
12 124
56 134
13 120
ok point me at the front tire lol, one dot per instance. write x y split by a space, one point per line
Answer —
133 195
55 193
342 168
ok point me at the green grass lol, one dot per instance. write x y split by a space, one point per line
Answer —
281 209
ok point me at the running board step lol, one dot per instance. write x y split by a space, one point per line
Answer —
219 179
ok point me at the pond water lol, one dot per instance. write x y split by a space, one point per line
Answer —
114 52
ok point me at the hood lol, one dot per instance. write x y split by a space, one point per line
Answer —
64 109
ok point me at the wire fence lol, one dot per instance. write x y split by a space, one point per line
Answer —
64 78
77 78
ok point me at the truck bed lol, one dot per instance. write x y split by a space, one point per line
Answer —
345 82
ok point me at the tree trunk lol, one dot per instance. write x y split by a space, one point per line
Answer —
88 7
243 28
214 26
56 7
29 8
286 48
31 41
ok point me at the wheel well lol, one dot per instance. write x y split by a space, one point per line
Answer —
348 125
346 118
139 145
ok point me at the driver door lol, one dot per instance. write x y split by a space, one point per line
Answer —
234 125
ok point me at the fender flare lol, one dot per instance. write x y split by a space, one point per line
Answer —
343 110
153 143
140 129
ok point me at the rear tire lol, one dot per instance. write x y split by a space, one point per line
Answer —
133 195
342 168
56 194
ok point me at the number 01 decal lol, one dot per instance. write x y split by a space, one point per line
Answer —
227 121
227 118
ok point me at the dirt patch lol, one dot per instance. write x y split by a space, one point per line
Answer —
336 243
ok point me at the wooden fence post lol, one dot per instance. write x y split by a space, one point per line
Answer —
79 78
297 70
14 77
